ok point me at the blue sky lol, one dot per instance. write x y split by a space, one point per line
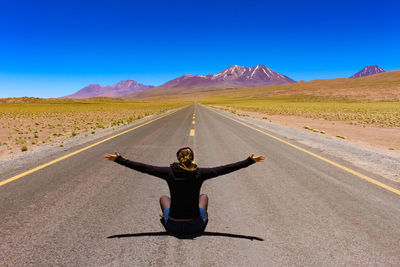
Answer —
54 48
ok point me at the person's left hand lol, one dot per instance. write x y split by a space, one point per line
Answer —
111 157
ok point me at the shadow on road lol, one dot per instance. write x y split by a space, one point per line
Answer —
188 236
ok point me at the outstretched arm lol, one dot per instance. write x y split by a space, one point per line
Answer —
161 172
208 173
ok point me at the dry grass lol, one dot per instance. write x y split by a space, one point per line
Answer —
27 122
381 113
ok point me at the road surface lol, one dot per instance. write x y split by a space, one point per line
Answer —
293 209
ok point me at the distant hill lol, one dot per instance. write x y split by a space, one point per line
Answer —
232 77
368 70
117 90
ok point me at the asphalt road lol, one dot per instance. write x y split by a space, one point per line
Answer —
292 209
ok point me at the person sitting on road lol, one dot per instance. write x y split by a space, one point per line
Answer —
186 211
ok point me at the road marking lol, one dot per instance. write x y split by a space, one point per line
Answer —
356 173
193 122
16 177
191 132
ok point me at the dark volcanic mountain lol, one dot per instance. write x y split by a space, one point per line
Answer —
368 70
119 89
237 76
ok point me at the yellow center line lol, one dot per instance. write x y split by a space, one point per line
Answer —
76 152
191 132
356 173
193 122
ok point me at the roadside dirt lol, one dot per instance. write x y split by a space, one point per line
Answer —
385 140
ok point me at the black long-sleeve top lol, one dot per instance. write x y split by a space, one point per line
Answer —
184 186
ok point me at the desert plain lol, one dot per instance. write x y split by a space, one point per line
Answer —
364 111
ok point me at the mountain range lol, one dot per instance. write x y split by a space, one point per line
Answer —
234 77
122 88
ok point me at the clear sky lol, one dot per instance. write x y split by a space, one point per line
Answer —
56 47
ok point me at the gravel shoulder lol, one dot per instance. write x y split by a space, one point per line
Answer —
383 164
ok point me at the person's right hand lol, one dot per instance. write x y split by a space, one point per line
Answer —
111 157
258 158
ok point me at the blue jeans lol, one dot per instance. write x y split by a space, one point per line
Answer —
196 226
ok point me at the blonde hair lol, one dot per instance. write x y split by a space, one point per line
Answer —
185 157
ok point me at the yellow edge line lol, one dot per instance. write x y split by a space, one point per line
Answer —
365 177
76 152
